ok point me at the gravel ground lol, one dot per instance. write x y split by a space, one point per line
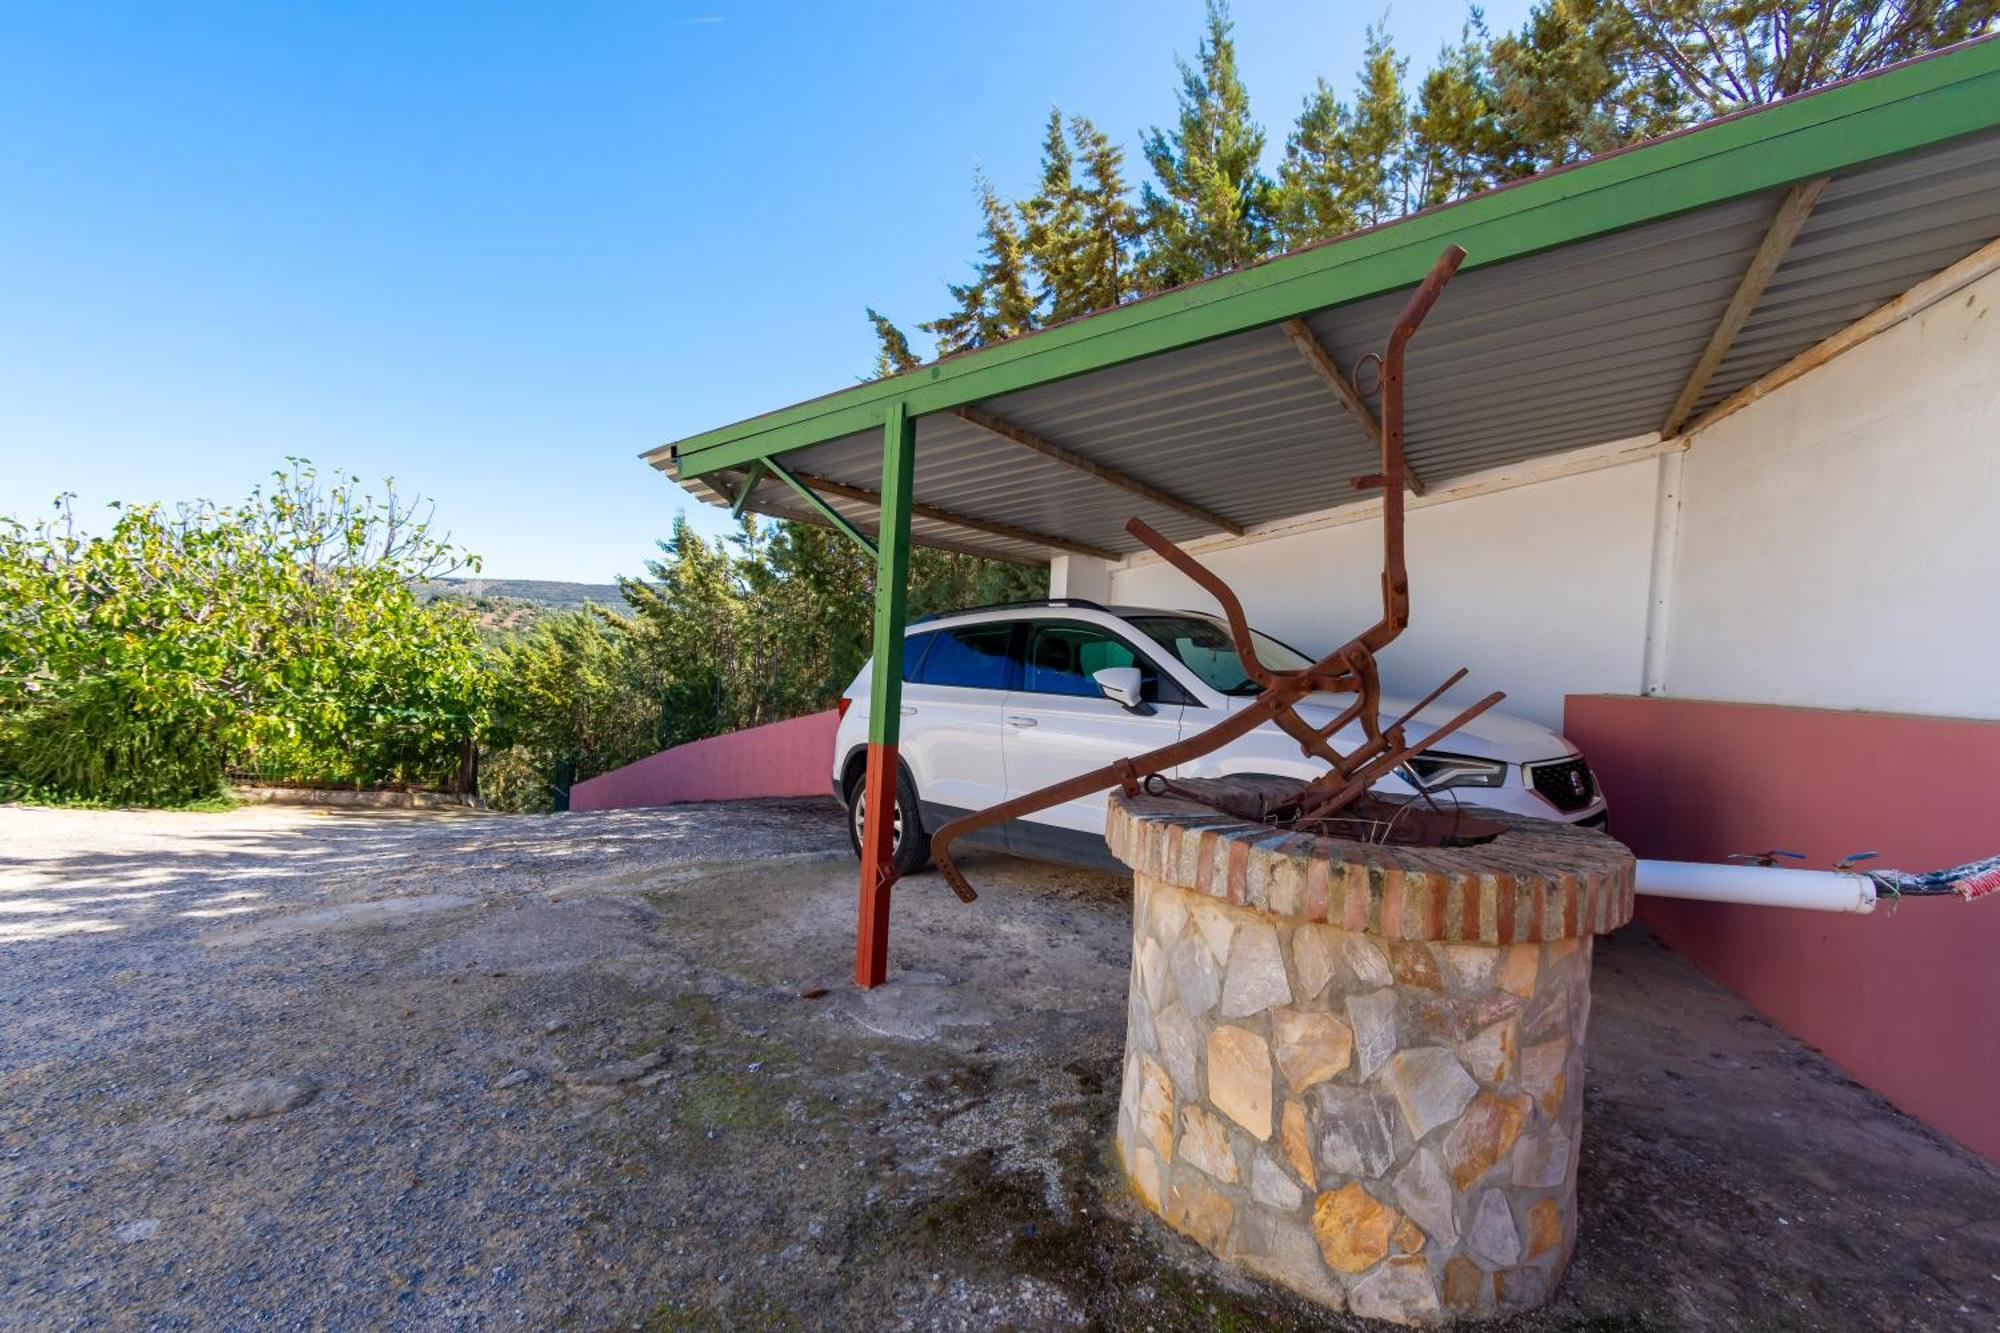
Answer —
306 1069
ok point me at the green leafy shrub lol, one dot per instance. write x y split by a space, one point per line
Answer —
574 697
767 624
280 636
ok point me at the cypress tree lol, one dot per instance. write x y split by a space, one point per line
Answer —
1208 210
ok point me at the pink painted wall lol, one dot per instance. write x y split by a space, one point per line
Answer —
1905 1000
792 758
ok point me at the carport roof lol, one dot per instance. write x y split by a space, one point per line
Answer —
1623 297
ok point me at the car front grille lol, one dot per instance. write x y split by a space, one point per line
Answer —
1567 784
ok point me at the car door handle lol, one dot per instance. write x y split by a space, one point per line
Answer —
1020 722
908 710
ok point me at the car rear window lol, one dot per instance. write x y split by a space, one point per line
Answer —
970 656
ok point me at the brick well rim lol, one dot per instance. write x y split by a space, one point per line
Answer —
1538 881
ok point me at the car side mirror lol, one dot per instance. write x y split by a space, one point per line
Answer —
1124 686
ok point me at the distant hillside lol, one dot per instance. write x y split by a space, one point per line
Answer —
552 593
512 606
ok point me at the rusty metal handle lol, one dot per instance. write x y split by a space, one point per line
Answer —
1426 296
1395 574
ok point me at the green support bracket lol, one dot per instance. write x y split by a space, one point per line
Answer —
827 511
751 477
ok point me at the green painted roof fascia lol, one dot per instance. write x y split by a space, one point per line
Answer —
1897 110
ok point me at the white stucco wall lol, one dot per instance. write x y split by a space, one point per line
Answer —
1840 540
1540 590
1835 547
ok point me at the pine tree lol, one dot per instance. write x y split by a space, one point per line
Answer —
1110 223
1723 55
1456 142
1343 168
892 349
997 304
1566 88
1313 198
1379 140
1209 209
1077 233
1052 235
1585 76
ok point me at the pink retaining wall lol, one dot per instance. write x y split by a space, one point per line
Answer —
1907 1000
792 758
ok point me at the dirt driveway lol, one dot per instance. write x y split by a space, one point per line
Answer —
284 1068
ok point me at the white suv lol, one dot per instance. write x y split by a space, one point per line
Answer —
1002 700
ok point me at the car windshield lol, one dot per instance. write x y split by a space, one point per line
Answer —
1204 647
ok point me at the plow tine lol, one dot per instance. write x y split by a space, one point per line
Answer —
1397 757
1429 699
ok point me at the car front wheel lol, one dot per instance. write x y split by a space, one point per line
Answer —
911 845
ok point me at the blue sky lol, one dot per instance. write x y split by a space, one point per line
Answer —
496 250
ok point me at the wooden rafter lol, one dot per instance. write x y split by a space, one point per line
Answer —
827 486
1328 369
721 482
1027 439
1884 317
1792 213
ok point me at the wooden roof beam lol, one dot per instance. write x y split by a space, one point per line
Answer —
828 486
1793 211
1027 439
717 487
1911 303
1328 370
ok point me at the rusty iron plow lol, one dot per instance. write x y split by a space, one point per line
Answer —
1348 669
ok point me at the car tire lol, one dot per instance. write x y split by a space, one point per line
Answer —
912 843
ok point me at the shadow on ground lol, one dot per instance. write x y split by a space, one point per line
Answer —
610 1069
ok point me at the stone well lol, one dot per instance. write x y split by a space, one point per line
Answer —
1357 1069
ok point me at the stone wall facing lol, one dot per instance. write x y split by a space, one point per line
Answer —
1385 1125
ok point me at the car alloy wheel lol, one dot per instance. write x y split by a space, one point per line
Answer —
861 823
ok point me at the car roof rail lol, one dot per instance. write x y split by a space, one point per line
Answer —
1030 603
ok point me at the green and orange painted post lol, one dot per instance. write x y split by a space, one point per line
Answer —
885 695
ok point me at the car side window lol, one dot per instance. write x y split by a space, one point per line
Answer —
914 649
969 656
1062 659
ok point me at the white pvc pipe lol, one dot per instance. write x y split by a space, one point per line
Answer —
1764 886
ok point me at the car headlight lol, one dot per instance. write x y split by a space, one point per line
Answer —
1435 770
